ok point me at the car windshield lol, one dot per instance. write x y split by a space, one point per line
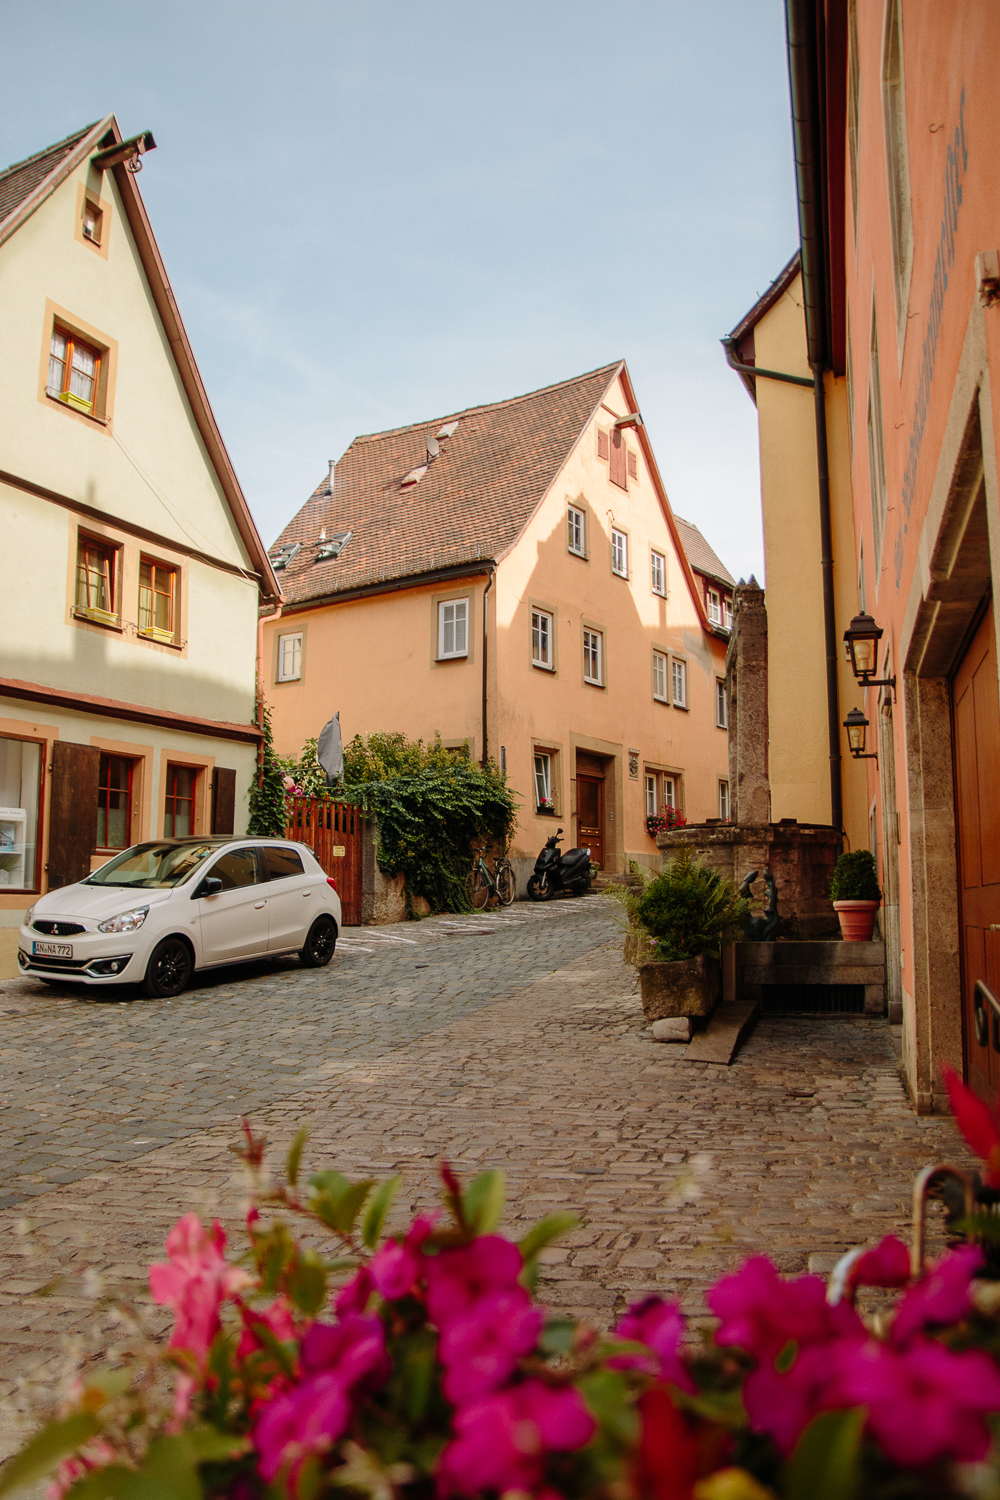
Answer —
148 866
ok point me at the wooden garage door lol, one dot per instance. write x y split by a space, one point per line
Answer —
976 718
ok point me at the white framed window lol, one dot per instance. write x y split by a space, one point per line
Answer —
727 613
679 675
724 801
658 573
541 639
619 553
659 677
721 711
289 657
714 607
670 791
651 807
576 531
543 782
453 628
593 657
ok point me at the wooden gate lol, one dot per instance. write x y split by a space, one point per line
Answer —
332 830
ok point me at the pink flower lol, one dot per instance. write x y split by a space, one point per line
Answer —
481 1347
660 1326
308 1419
886 1264
277 1319
501 1441
977 1123
354 1349
355 1296
97 1454
762 1314
783 1403
195 1283
941 1295
457 1279
924 1402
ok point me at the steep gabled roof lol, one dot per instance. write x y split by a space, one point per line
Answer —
471 504
700 555
25 186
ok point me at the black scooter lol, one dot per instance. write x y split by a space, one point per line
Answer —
557 870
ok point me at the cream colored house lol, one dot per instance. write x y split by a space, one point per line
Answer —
512 575
133 570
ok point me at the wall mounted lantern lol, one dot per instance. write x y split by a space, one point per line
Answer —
856 725
862 637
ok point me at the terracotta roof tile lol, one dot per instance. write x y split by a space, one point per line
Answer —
19 182
472 503
700 555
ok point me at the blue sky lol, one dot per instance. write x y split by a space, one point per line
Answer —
379 212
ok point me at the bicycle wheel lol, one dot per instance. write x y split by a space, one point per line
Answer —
506 884
477 889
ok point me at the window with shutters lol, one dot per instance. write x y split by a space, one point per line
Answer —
541 639
576 531
114 802
20 793
679 676
658 573
633 465
97 570
593 657
453 629
617 472
290 657
660 677
602 444
179 801
158 586
721 711
619 553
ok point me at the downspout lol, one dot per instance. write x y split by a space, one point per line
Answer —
486 641
729 344
803 78
261 619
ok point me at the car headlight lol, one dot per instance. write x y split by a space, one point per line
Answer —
128 921
28 915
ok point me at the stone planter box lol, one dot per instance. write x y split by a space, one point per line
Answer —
691 987
636 944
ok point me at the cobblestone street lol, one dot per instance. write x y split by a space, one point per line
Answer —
512 1040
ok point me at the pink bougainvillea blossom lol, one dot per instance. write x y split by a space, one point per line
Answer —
782 1402
885 1264
195 1282
353 1350
978 1124
924 1402
763 1314
941 1295
480 1348
501 1441
356 1294
306 1419
278 1320
457 1279
95 1454
660 1326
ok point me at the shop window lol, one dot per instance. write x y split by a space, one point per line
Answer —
178 807
157 600
97 579
20 783
114 802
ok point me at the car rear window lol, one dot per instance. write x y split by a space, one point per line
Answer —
281 863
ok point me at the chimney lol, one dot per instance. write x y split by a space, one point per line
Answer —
329 482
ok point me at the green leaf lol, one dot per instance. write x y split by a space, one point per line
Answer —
295 1156
333 1183
378 1208
786 1358
56 1441
545 1231
209 1445
307 1282
349 1205
983 1226
483 1201
558 1335
824 1465
607 1395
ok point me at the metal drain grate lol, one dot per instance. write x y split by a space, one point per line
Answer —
813 999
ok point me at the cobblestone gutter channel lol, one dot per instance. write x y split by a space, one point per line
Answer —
520 1047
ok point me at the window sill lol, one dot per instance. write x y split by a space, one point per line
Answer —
78 411
663 702
455 656
541 666
97 617
279 681
627 577
682 706
583 556
158 640
589 682
546 812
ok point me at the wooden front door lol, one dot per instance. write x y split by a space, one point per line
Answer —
590 816
976 719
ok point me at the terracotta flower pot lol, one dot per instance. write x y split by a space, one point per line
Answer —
857 919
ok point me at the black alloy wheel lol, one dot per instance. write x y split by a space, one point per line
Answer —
320 943
169 969
539 888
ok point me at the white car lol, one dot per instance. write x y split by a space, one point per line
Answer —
158 911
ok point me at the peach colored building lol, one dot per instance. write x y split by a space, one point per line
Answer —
896 122
512 575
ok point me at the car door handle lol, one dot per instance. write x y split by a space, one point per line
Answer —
307 893
258 904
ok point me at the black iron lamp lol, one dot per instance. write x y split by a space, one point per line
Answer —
862 637
857 725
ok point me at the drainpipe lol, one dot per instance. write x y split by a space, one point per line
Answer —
803 78
260 683
486 639
729 344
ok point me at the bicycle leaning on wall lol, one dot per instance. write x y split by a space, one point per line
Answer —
481 886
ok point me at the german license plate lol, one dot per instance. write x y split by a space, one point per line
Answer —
52 950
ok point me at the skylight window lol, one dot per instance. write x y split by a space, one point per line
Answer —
448 430
414 476
284 555
333 546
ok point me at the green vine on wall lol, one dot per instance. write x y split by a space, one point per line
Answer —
267 790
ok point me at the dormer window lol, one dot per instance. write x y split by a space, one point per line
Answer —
714 607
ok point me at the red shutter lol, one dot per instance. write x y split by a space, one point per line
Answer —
602 445
633 467
72 811
223 800
617 472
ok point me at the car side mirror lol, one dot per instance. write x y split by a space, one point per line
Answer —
210 886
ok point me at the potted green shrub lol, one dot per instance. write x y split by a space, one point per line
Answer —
685 910
856 896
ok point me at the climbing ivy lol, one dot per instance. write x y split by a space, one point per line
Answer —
267 790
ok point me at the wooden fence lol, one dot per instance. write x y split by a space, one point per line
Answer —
333 831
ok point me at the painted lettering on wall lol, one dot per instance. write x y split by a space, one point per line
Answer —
955 167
